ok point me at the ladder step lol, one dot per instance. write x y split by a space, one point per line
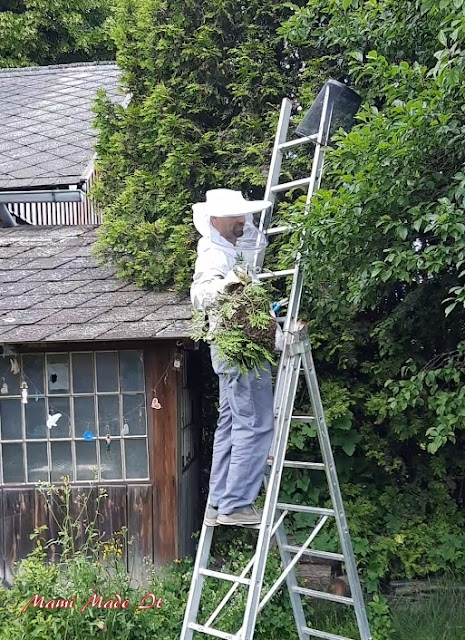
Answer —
224 576
297 464
303 418
322 595
297 141
209 631
274 231
300 508
276 274
322 634
327 555
290 185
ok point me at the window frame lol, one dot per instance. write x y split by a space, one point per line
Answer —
99 440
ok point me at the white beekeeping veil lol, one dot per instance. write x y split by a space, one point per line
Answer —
225 203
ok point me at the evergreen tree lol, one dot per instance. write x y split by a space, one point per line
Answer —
206 81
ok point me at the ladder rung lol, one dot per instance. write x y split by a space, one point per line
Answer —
300 508
294 143
209 631
290 185
323 634
327 555
273 231
297 464
322 595
276 274
303 418
224 576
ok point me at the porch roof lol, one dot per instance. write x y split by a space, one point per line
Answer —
53 290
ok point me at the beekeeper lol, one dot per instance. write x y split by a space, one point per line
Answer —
245 424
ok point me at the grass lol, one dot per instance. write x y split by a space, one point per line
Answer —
435 614
439 616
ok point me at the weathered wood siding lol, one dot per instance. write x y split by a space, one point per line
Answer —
163 449
24 509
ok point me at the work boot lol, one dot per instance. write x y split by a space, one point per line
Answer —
211 515
242 516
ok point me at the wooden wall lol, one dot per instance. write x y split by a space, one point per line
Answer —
161 378
160 514
22 510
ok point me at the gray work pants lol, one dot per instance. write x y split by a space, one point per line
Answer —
243 435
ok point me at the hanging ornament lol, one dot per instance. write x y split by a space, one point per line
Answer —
177 361
108 441
125 430
15 369
4 388
155 404
24 392
53 419
88 436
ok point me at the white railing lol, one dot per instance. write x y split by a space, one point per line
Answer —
59 213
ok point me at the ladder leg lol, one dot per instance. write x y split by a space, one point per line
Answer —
195 591
271 500
291 581
335 491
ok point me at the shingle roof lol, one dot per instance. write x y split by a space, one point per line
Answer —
53 290
46 134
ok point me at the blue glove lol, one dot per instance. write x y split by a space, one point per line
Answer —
277 306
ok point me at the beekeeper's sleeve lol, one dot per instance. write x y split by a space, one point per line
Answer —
213 272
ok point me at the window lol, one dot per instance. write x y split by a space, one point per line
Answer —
85 417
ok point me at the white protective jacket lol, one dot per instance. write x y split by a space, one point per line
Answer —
216 258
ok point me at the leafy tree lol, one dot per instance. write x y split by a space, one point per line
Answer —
53 32
385 248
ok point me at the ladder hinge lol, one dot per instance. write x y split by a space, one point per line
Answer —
296 348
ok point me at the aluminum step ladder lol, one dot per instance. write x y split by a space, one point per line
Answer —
296 359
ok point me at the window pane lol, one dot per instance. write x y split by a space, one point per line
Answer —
37 463
131 374
83 373
58 373
134 414
33 367
63 427
35 418
108 415
86 460
107 371
61 460
10 380
110 461
84 415
136 458
13 463
10 417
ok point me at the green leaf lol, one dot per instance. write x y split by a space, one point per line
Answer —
349 442
450 308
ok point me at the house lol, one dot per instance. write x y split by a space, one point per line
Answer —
97 382
47 140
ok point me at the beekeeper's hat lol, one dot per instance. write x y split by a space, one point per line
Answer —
223 203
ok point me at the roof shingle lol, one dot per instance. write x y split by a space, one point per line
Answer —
46 133
64 295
